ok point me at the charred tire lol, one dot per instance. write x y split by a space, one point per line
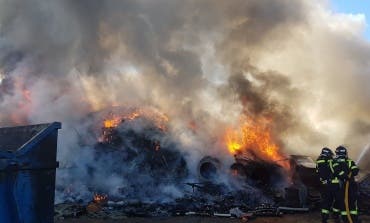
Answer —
208 168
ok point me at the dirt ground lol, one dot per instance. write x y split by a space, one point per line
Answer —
301 218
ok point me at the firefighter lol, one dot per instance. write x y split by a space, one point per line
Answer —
345 170
325 171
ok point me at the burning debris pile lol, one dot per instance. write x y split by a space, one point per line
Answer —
152 176
134 151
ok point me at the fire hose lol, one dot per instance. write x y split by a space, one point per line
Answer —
346 200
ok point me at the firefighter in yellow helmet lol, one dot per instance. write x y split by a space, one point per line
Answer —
345 170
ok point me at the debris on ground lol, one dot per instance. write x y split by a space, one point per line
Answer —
69 210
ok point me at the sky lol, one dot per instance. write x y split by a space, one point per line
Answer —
354 7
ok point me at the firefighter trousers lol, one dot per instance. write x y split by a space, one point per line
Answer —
341 201
327 201
352 200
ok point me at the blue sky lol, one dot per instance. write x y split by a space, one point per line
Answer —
354 7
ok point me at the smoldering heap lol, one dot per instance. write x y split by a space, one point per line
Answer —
132 157
135 157
138 169
214 68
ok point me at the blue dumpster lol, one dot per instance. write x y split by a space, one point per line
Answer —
27 173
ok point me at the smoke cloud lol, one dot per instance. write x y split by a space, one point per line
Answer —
205 62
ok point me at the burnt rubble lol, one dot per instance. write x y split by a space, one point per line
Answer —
244 204
229 205
223 206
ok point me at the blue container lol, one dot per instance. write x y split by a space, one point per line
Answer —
27 173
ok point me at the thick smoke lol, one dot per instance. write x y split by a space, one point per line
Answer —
204 62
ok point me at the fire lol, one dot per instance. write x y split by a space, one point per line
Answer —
254 137
115 120
100 198
233 141
159 119
112 122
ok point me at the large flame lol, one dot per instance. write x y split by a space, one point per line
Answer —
254 137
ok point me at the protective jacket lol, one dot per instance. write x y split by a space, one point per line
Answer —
325 172
324 169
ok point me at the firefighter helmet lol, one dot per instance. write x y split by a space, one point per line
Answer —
341 151
326 152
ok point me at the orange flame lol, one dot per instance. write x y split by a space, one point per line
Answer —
100 198
112 122
160 120
254 137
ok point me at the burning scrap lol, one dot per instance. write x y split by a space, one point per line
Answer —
254 140
139 147
170 108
